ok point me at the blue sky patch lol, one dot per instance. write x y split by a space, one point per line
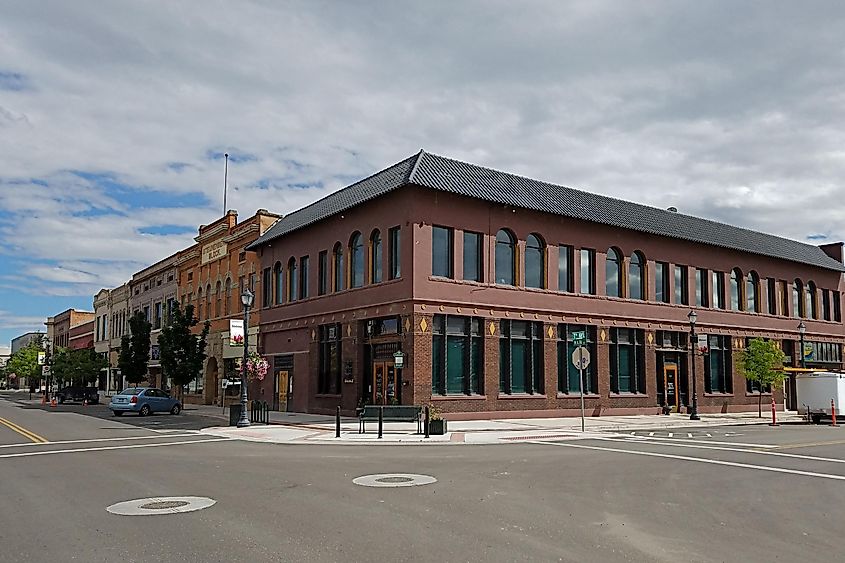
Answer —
13 81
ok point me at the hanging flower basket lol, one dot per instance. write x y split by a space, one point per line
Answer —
256 367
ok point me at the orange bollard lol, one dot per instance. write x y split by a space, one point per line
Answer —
774 415
833 413
53 402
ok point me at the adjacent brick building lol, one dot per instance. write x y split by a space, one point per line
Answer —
480 278
211 275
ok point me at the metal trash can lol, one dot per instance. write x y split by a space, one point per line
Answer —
234 414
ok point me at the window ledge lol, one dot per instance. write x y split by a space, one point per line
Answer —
639 395
327 396
718 395
767 394
505 396
459 398
578 395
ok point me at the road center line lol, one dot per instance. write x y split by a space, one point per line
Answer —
700 460
89 440
22 431
724 449
104 448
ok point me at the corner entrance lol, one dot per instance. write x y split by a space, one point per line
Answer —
384 383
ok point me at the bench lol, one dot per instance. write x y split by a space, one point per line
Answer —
390 413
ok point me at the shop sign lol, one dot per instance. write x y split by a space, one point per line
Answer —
236 332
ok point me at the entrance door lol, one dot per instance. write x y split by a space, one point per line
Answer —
384 383
671 393
282 383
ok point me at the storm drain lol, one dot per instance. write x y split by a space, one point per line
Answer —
394 480
160 505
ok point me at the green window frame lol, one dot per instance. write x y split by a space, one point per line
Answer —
627 361
567 373
521 357
457 360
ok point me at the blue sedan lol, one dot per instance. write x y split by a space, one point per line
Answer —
144 401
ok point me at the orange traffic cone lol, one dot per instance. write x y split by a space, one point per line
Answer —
53 402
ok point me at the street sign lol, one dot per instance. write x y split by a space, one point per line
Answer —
41 357
579 337
399 359
581 357
224 383
45 370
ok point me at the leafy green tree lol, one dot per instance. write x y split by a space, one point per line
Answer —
77 367
762 362
182 352
135 349
24 362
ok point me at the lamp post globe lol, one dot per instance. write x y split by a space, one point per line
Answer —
693 344
247 298
802 329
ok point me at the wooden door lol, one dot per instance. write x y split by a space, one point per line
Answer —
671 392
282 387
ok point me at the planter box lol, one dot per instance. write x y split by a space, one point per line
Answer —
437 427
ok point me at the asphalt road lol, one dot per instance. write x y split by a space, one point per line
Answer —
742 494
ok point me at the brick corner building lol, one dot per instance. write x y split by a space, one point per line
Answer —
480 278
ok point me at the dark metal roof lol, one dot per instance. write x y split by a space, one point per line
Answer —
439 173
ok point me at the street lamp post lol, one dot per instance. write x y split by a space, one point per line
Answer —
801 330
247 298
693 344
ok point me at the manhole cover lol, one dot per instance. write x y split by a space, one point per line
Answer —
394 480
160 505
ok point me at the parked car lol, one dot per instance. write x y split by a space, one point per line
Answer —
144 401
78 393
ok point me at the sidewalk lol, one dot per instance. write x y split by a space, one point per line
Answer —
320 429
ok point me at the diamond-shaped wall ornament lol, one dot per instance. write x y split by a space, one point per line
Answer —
313 334
492 328
349 330
423 325
650 338
551 332
603 335
407 324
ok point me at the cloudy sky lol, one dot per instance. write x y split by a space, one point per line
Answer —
114 116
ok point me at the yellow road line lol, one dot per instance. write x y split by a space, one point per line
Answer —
23 431
811 444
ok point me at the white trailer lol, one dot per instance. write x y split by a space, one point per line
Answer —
815 391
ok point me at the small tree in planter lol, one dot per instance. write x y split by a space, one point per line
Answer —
436 422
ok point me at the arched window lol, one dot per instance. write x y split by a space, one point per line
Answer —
292 280
810 310
208 310
375 257
505 258
356 261
752 292
636 277
278 283
218 299
736 287
535 261
199 303
337 266
227 304
613 273
797 298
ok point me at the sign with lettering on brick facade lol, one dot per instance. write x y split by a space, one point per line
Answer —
236 332
213 251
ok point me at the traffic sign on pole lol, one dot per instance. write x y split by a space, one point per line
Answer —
581 357
579 337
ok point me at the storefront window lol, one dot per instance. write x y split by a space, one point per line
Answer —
521 357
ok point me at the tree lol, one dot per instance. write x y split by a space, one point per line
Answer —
182 352
135 349
24 362
762 362
77 367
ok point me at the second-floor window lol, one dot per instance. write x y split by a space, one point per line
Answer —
564 267
505 258
613 273
394 252
375 257
441 252
322 272
636 276
303 277
535 262
473 256
681 286
588 271
701 292
661 282
356 261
